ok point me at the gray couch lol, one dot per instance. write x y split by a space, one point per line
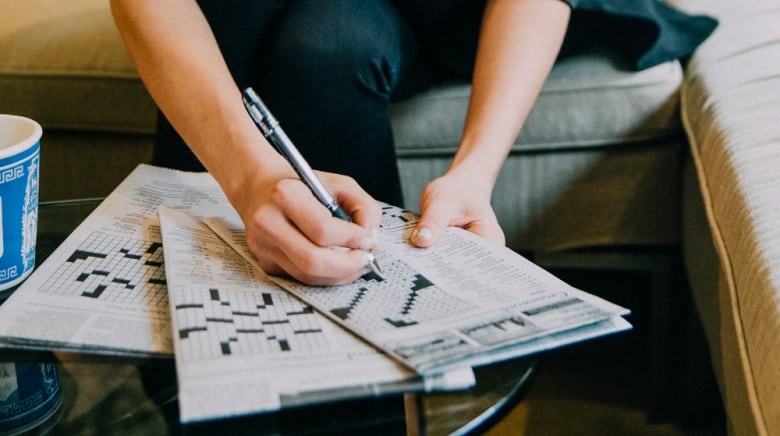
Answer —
595 179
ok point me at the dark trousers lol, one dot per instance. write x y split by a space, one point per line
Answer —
329 69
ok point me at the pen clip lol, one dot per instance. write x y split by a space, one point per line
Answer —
259 113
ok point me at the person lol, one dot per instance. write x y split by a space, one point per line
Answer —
329 70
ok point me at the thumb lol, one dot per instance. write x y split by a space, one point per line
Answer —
430 227
489 229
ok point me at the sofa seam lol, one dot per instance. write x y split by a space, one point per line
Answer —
723 255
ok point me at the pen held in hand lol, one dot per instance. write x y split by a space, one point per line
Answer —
274 134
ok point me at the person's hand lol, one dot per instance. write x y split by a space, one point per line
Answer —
459 201
290 232
511 66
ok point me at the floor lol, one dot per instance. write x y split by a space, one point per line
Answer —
602 387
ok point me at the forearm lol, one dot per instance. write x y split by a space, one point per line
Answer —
519 42
176 55
288 231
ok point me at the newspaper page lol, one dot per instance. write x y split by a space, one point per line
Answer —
103 289
244 345
463 302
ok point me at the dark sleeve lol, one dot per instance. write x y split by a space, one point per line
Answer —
647 32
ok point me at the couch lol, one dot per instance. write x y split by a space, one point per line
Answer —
604 174
730 102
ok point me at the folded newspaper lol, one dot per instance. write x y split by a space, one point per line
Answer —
461 303
106 290
242 344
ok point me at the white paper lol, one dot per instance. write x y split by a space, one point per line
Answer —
463 302
103 289
244 345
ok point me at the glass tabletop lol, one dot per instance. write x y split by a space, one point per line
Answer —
120 395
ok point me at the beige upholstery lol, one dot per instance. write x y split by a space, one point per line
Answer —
63 64
70 56
731 108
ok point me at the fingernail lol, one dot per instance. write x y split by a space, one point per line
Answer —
423 234
367 258
366 244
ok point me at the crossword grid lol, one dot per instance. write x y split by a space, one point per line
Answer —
215 322
113 269
405 298
393 216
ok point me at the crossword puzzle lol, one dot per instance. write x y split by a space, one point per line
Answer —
403 299
113 269
215 322
393 216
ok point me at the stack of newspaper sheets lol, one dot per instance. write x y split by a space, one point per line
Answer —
161 268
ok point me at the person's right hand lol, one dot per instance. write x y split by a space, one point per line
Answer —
175 52
290 232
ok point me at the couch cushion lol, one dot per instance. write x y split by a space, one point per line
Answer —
63 63
731 109
590 99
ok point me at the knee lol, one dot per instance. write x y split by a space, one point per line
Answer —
346 59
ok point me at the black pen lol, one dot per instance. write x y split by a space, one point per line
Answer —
274 134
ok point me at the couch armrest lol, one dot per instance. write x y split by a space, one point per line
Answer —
731 109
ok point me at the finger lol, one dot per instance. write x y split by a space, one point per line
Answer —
321 266
315 221
365 211
488 230
430 226
357 203
287 251
279 245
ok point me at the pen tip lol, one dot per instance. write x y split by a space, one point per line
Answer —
373 265
377 270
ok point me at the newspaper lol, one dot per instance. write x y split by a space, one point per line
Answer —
104 290
461 303
244 345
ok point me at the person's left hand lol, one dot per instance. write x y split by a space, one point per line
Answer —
459 201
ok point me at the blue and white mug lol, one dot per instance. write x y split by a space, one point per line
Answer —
20 142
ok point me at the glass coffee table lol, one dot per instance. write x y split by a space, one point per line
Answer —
119 395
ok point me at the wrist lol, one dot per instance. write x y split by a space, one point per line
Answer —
247 169
476 170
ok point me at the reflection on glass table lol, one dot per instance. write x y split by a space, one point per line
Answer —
120 395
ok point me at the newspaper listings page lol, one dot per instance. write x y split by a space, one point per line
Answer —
103 289
245 345
462 303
